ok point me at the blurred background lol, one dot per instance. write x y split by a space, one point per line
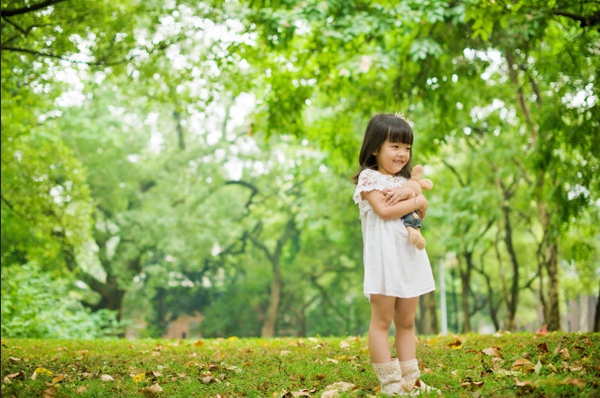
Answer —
183 169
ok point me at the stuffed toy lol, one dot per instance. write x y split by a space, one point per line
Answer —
412 221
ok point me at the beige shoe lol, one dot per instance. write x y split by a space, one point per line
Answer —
390 377
412 384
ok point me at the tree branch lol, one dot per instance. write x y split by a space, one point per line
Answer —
50 55
592 20
31 8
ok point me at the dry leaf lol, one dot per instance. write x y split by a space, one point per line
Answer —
456 344
49 393
455 373
523 383
151 391
471 383
303 393
57 379
492 351
321 376
523 365
344 344
573 382
106 378
334 389
543 348
564 354
538 367
138 377
81 389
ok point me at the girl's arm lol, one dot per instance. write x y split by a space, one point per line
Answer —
395 195
377 201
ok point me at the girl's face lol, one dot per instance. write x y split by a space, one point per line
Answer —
392 157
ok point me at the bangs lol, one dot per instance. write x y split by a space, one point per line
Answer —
400 131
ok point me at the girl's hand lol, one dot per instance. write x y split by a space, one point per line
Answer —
395 195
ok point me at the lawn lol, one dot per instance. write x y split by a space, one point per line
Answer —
501 365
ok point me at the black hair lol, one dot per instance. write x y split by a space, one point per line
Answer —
381 127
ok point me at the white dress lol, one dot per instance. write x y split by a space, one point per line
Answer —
392 265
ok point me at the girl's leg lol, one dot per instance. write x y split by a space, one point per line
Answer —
405 310
382 314
388 372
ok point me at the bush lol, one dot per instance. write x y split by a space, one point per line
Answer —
34 305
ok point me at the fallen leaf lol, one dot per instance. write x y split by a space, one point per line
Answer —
543 348
321 376
138 377
523 383
19 376
49 393
57 379
330 360
344 344
81 389
471 383
43 372
492 351
303 393
151 391
564 354
538 367
575 368
456 344
573 382
199 343
106 378
454 373
523 365
333 390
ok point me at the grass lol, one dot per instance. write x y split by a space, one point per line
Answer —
502 365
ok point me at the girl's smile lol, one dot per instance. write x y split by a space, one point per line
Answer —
392 157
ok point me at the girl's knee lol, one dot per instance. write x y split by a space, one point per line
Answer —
404 324
381 323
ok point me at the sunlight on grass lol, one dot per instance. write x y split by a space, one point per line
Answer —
501 365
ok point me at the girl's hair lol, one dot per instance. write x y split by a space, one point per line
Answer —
381 127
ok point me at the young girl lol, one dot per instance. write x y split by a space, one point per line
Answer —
396 273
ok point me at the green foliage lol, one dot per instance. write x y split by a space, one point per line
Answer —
34 305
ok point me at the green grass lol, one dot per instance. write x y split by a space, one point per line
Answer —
505 365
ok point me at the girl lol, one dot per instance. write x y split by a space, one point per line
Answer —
396 273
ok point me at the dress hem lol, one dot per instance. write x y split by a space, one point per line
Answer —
368 295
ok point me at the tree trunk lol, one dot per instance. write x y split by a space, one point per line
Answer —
268 329
553 320
597 315
513 303
427 323
465 277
